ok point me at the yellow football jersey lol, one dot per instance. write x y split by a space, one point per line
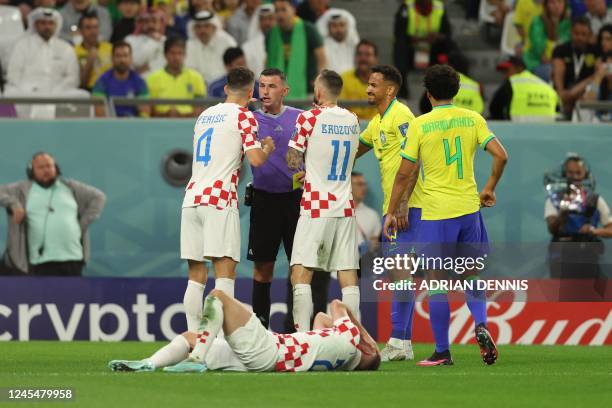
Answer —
445 140
386 134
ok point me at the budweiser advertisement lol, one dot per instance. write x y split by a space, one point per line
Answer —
534 316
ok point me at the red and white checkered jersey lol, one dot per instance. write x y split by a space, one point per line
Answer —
329 137
320 350
222 134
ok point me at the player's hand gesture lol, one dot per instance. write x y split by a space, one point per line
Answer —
390 224
487 198
367 344
267 144
401 214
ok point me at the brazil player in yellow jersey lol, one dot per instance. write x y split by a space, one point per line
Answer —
445 142
386 134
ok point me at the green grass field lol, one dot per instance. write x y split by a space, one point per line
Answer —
525 376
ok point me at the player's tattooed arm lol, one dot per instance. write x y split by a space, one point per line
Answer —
295 159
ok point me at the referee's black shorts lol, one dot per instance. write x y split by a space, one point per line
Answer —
274 218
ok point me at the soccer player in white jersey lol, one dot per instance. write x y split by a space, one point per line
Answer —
325 142
210 224
338 342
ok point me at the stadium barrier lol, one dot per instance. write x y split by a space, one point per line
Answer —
115 309
110 104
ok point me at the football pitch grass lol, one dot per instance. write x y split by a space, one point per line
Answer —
525 376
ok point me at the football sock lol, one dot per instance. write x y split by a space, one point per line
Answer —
402 309
439 317
226 285
302 306
172 353
261 301
350 297
210 326
477 302
192 302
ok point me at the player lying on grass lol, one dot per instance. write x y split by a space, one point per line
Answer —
337 342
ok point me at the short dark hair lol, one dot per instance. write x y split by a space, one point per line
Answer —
367 43
581 20
121 44
240 78
274 72
332 81
459 62
285 1
87 16
389 73
356 174
441 81
173 42
232 54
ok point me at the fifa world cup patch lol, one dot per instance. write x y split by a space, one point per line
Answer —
403 128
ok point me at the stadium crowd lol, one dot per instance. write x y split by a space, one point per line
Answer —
183 49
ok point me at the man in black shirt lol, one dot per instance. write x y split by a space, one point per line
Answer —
518 85
499 108
573 65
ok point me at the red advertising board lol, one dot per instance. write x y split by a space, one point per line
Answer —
569 323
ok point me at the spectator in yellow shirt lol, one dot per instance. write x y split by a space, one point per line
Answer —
95 56
524 12
356 80
176 81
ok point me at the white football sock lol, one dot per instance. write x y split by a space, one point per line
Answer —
193 301
226 285
210 326
350 297
172 353
302 306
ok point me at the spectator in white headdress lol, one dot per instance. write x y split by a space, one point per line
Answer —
206 44
238 24
43 65
340 38
255 48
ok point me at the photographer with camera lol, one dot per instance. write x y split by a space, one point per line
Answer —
577 219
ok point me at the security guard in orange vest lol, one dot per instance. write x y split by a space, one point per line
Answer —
422 33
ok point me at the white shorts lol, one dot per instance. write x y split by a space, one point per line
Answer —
209 233
328 244
254 346
221 357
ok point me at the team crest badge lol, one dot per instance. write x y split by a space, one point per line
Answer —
383 138
403 128
189 88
